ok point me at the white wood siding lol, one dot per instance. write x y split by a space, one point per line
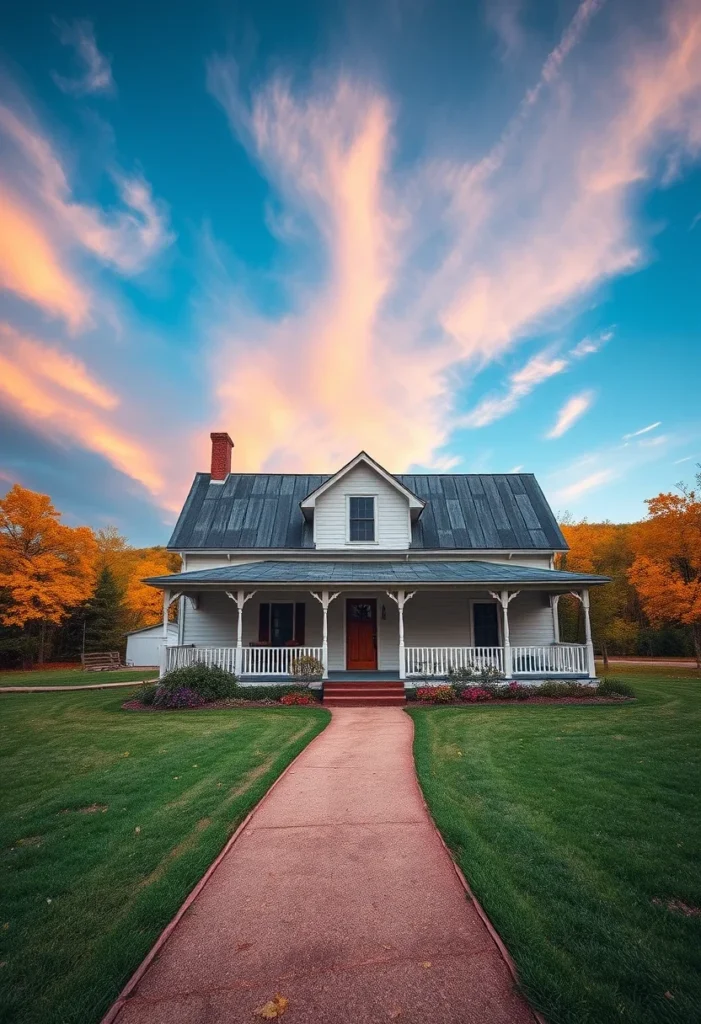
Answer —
431 619
531 619
392 526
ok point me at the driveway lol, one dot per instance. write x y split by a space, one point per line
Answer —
340 896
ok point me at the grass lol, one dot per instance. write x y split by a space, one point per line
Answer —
570 823
75 677
107 820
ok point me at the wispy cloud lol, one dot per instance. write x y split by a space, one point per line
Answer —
426 277
57 394
125 238
587 483
521 383
96 68
573 409
31 266
643 430
687 458
591 344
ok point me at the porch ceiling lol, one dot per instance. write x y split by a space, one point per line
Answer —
389 573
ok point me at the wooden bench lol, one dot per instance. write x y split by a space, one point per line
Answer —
101 661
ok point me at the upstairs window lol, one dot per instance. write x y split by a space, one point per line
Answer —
362 519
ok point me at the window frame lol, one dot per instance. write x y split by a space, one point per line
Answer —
349 519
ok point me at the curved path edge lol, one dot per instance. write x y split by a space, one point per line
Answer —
160 942
337 887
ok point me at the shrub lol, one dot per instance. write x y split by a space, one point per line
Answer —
210 683
436 694
613 688
459 678
298 697
554 690
513 691
179 697
307 668
473 694
147 693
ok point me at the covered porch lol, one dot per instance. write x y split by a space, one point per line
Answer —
358 629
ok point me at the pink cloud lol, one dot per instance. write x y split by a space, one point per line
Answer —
370 353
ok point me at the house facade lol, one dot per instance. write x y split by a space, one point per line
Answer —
376 575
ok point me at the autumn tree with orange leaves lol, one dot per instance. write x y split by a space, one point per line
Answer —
666 571
46 567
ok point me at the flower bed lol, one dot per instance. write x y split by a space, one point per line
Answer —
199 686
605 692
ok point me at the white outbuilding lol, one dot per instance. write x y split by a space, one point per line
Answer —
144 645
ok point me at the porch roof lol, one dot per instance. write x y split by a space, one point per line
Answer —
391 573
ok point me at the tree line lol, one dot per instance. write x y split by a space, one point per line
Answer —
68 589
652 606
64 589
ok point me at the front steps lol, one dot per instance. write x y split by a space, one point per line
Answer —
364 695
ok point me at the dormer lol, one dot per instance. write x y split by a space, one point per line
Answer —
362 506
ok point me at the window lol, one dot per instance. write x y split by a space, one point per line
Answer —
362 519
281 625
486 625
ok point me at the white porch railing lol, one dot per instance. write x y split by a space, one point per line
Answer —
556 659
255 661
438 661
568 659
275 661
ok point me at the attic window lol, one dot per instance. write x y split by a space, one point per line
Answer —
362 519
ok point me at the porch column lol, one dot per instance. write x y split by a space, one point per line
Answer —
554 602
504 597
325 600
164 645
400 600
587 635
325 633
240 599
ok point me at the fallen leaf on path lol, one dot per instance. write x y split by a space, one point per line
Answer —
243 945
396 1012
427 963
274 1008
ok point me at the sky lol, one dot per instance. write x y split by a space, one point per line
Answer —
461 236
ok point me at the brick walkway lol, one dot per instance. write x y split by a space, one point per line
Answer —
339 895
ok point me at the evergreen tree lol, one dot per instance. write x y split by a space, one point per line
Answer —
104 615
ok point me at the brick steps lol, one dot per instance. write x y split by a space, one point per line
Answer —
364 694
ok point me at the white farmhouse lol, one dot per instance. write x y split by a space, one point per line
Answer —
380 576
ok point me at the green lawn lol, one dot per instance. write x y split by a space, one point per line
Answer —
75 677
570 823
107 820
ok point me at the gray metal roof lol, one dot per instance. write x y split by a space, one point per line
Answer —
464 511
376 572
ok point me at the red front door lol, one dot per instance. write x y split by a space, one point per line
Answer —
361 633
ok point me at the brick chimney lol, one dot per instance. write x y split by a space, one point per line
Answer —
221 456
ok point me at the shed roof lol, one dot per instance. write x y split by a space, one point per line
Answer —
463 511
389 572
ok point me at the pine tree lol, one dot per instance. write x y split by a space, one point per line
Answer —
104 615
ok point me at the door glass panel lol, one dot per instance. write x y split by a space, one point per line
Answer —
360 612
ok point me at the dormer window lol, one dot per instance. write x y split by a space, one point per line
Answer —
361 519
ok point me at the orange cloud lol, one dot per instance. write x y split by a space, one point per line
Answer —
30 267
57 394
371 352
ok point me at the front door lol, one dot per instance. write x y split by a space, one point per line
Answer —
361 633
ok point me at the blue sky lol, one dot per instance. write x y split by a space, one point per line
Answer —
460 236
